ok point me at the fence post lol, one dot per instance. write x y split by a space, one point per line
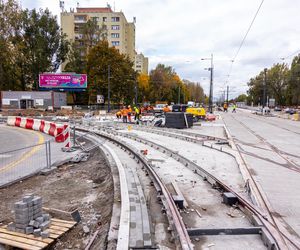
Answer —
47 156
49 148
74 136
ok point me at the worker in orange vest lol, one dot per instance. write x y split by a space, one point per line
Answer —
119 114
124 112
225 107
129 112
166 109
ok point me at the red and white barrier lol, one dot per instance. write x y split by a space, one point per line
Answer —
61 132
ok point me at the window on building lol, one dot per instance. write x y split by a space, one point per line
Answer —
115 19
80 18
115 35
115 43
115 27
95 19
104 19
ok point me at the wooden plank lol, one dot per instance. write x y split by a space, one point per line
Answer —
29 236
57 228
13 243
59 224
54 231
62 229
23 240
64 221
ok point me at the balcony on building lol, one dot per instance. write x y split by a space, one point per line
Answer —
80 18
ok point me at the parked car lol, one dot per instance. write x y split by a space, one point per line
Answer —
290 111
179 108
277 109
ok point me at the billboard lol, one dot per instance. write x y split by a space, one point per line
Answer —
63 81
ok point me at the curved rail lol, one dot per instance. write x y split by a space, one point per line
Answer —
272 228
285 237
173 213
185 135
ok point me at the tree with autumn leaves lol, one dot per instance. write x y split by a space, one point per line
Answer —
164 84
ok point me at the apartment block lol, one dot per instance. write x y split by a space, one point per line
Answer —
141 63
119 32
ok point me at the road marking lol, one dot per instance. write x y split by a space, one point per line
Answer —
25 155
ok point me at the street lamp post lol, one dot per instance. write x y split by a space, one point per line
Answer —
265 85
108 88
136 93
211 69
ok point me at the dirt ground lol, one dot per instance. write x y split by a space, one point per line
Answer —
86 186
38 112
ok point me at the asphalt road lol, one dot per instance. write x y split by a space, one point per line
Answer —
271 149
15 163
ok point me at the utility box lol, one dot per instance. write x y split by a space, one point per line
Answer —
178 120
229 198
178 201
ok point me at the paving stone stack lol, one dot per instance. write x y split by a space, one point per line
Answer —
29 218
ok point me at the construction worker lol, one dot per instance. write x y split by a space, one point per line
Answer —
124 112
119 114
234 108
225 107
136 113
166 109
129 112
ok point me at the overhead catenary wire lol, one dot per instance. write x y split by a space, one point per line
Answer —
294 53
243 40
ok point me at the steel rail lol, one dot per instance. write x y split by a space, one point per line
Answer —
178 133
275 125
175 217
276 233
293 166
266 205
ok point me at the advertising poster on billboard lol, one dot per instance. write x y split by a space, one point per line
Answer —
63 81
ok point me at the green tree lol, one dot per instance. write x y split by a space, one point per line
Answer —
293 93
31 43
277 82
10 28
44 47
123 77
255 91
241 98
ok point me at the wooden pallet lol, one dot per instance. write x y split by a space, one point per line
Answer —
29 242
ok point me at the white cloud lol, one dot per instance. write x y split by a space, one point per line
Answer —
174 32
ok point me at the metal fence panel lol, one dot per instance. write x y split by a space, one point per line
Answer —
23 162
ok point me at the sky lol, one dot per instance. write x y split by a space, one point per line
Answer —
179 33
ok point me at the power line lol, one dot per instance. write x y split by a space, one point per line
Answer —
244 38
283 58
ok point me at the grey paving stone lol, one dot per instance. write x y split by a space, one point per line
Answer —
27 198
29 230
40 219
45 225
37 232
45 234
21 226
20 205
